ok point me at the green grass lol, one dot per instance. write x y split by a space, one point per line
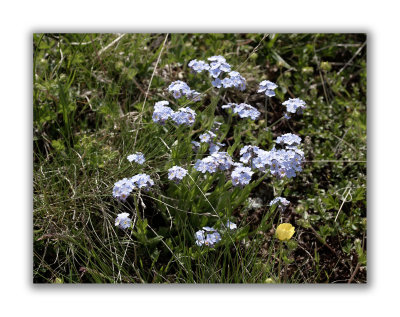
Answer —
91 110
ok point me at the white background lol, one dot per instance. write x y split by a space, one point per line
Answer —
19 20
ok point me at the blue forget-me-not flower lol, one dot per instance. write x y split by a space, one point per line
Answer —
198 66
179 88
184 116
241 176
176 173
289 139
138 157
123 221
268 88
294 105
243 110
208 236
161 112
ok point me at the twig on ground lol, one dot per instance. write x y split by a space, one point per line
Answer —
253 51
351 59
148 88
354 273
322 241
344 200
111 44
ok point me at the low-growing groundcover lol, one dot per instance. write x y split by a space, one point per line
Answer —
199 158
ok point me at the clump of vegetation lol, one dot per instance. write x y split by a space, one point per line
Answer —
199 158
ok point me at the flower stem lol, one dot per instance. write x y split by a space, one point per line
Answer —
285 277
280 261
137 207
277 121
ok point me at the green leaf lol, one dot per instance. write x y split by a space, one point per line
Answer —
280 61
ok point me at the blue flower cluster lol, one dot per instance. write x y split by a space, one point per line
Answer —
208 236
183 116
207 164
248 152
268 88
138 157
243 110
282 203
124 187
123 221
235 80
241 176
198 66
294 105
176 173
289 139
179 88
161 112
281 163
218 66
208 137
216 161
142 181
